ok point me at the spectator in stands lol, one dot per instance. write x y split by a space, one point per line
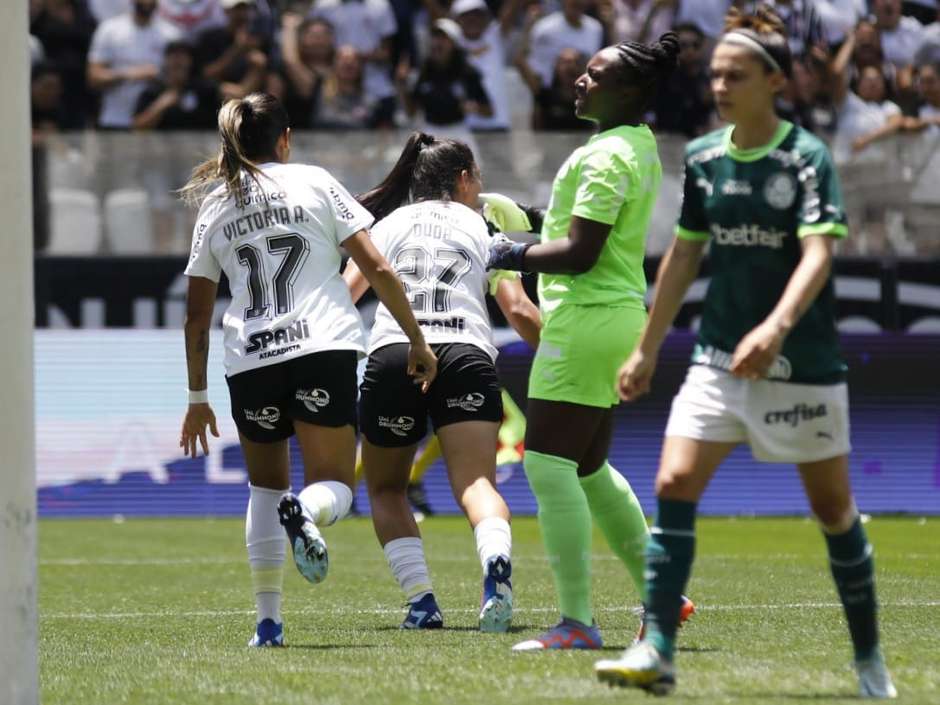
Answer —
928 86
840 16
180 100
344 101
867 49
636 20
553 105
569 28
483 39
234 56
804 24
866 115
684 101
47 105
707 15
64 29
126 52
447 88
103 10
308 50
370 27
807 100
924 11
901 36
192 17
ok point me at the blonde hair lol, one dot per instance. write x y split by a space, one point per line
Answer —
249 129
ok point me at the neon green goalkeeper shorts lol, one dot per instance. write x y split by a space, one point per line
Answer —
581 350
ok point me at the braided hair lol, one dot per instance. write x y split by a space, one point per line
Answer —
646 65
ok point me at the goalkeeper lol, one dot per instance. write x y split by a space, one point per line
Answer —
591 291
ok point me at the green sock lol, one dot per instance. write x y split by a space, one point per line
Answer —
565 521
620 516
669 557
853 570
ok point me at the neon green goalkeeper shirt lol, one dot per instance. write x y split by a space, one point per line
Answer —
613 179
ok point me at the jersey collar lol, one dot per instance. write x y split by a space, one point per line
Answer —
755 153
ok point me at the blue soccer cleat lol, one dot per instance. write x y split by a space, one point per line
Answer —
308 546
268 633
424 614
567 634
496 601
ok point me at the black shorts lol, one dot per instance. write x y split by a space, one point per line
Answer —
392 410
319 388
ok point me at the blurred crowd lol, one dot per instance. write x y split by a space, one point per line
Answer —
864 69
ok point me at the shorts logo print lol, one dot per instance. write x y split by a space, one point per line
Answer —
399 425
800 412
468 402
266 417
313 399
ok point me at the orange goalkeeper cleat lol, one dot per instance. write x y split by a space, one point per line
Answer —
686 611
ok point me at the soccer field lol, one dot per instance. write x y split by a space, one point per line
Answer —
159 611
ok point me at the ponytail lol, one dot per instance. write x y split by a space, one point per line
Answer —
395 189
249 129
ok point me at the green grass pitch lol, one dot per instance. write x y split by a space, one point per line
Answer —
159 611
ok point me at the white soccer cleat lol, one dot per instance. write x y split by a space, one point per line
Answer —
496 598
874 681
641 666
309 548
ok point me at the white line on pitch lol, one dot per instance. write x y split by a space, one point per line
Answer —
531 610
379 558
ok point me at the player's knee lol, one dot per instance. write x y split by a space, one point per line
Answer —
479 491
836 516
673 483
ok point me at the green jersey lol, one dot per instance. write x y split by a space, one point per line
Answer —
613 179
754 206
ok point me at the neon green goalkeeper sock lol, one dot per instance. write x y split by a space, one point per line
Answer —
565 521
620 516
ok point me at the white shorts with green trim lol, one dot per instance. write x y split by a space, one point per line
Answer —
782 422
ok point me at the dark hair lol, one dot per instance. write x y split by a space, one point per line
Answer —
648 64
689 27
44 68
426 170
178 46
768 30
312 22
249 129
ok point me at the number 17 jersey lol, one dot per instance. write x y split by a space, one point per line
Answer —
438 249
279 248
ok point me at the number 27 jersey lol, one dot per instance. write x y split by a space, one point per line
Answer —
438 250
279 250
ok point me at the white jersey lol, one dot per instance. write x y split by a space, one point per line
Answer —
280 253
438 249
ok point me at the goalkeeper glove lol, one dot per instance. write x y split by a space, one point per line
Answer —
506 254
510 216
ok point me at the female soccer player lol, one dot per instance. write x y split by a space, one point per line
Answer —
437 243
591 290
766 370
292 335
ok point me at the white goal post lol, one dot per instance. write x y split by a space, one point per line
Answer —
18 618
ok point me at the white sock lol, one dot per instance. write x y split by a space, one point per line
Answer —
267 547
326 502
268 605
406 559
494 538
